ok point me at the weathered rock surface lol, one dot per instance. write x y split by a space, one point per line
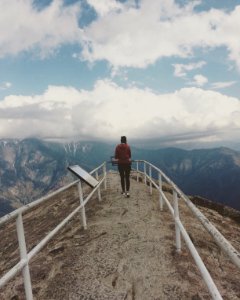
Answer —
127 252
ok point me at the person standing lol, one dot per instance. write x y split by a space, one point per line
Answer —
123 158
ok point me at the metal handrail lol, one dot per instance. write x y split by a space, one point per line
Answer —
222 242
23 264
217 236
23 209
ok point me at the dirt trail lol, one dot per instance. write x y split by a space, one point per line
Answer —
127 252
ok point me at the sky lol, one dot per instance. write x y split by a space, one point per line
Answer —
162 72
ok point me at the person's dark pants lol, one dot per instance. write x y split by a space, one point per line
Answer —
124 171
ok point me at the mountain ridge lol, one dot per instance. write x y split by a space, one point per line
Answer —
30 168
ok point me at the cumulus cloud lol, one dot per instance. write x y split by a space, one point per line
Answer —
125 34
108 110
180 70
24 28
139 36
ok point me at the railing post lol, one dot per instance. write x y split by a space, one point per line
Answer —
160 191
98 190
81 202
99 194
176 217
144 169
150 181
23 256
137 172
105 175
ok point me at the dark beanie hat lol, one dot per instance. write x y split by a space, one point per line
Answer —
123 139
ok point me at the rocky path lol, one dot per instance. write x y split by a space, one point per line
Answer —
126 253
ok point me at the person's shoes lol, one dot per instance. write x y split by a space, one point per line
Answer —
127 194
122 192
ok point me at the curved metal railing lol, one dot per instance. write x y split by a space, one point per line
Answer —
146 172
23 264
232 253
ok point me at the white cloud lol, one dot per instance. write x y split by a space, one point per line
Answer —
199 80
104 7
222 85
5 85
123 34
24 28
108 110
180 70
137 37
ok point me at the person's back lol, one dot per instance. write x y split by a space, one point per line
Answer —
123 157
123 153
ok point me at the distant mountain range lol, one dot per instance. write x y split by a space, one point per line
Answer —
211 173
31 168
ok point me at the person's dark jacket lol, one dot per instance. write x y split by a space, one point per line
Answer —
123 154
